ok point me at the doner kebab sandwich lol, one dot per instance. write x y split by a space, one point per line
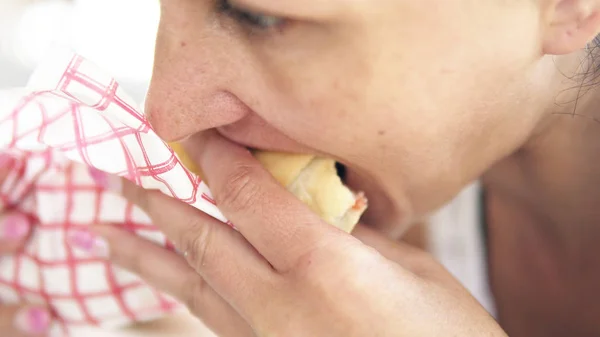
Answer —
314 180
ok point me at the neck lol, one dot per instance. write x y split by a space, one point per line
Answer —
555 176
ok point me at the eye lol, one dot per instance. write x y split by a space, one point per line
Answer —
256 20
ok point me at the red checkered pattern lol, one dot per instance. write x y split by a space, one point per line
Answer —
72 117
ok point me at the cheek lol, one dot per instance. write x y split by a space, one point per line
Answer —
436 114
319 95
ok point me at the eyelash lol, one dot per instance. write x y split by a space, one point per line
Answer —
252 19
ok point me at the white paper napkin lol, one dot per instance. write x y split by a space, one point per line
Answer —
71 117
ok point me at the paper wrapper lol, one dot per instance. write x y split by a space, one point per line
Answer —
71 117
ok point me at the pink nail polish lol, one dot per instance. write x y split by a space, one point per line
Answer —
14 227
33 321
107 181
88 242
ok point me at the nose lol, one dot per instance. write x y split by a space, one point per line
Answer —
192 71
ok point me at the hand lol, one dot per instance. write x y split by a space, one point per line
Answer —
17 320
286 272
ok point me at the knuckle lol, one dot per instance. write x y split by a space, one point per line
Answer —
320 256
239 190
323 269
198 244
313 265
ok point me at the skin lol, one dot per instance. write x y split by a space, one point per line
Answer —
417 99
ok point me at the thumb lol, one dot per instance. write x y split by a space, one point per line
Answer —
24 321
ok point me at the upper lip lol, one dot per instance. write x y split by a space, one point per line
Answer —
261 144
275 148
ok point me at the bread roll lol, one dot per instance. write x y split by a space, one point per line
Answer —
311 179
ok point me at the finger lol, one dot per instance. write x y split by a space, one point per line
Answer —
6 165
18 321
170 273
14 230
216 251
275 222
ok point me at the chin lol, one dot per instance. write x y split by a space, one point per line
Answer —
386 213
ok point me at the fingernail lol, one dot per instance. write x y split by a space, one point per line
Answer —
33 321
88 242
14 227
107 181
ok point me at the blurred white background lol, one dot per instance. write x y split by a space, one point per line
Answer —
118 35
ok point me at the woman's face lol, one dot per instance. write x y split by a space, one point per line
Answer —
416 98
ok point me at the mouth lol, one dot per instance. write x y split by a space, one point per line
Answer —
341 171
293 148
254 133
381 213
276 142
